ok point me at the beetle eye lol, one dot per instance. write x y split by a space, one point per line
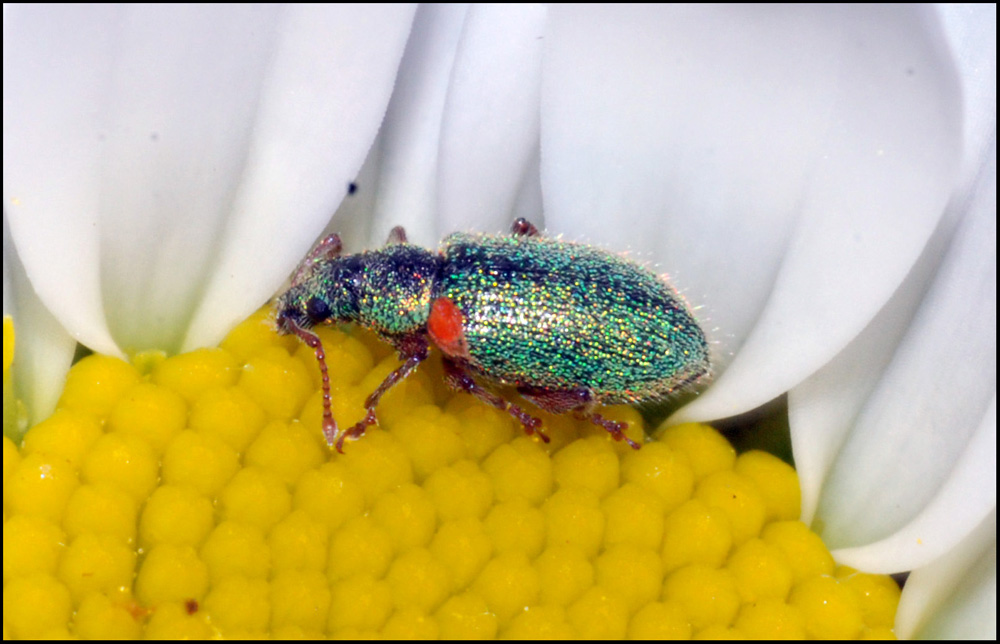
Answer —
317 309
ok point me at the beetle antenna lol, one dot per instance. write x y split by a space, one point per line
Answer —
325 249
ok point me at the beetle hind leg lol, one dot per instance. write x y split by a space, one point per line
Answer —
577 401
461 380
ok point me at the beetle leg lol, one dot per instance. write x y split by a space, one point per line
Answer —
326 248
523 228
412 352
461 380
396 236
561 401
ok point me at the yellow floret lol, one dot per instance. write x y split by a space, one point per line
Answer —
256 497
330 494
379 463
300 598
483 427
278 382
298 542
659 621
770 619
177 515
200 461
411 624
360 547
431 438
564 573
240 607
662 471
695 533
35 606
539 623
418 580
236 549
516 526
573 517
286 450
466 617
101 509
878 596
464 548
95 384
407 515
631 573
40 487
95 563
829 609
124 462
228 414
508 584
352 358
11 457
760 571
803 549
359 602
520 469
192 374
179 621
100 617
8 342
255 334
707 595
589 463
171 573
460 490
633 515
738 498
705 449
598 615
776 481
65 436
431 524
30 545
152 413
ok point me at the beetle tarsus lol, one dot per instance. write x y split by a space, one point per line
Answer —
461 380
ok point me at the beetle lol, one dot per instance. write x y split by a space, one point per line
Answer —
570 326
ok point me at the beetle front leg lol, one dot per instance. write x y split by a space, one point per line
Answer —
461 380
412 351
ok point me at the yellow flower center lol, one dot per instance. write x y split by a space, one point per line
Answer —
194 496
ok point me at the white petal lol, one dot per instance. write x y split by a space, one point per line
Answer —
330 78
459 146
409 143
955 509
955 597
144 140
798 156
43 350
928 409
489 136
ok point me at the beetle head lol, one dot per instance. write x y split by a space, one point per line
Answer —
328 292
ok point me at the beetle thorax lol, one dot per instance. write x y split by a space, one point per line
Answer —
394 288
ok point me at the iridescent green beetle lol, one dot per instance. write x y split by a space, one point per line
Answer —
570 326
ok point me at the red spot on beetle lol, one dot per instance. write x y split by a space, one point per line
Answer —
445 327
